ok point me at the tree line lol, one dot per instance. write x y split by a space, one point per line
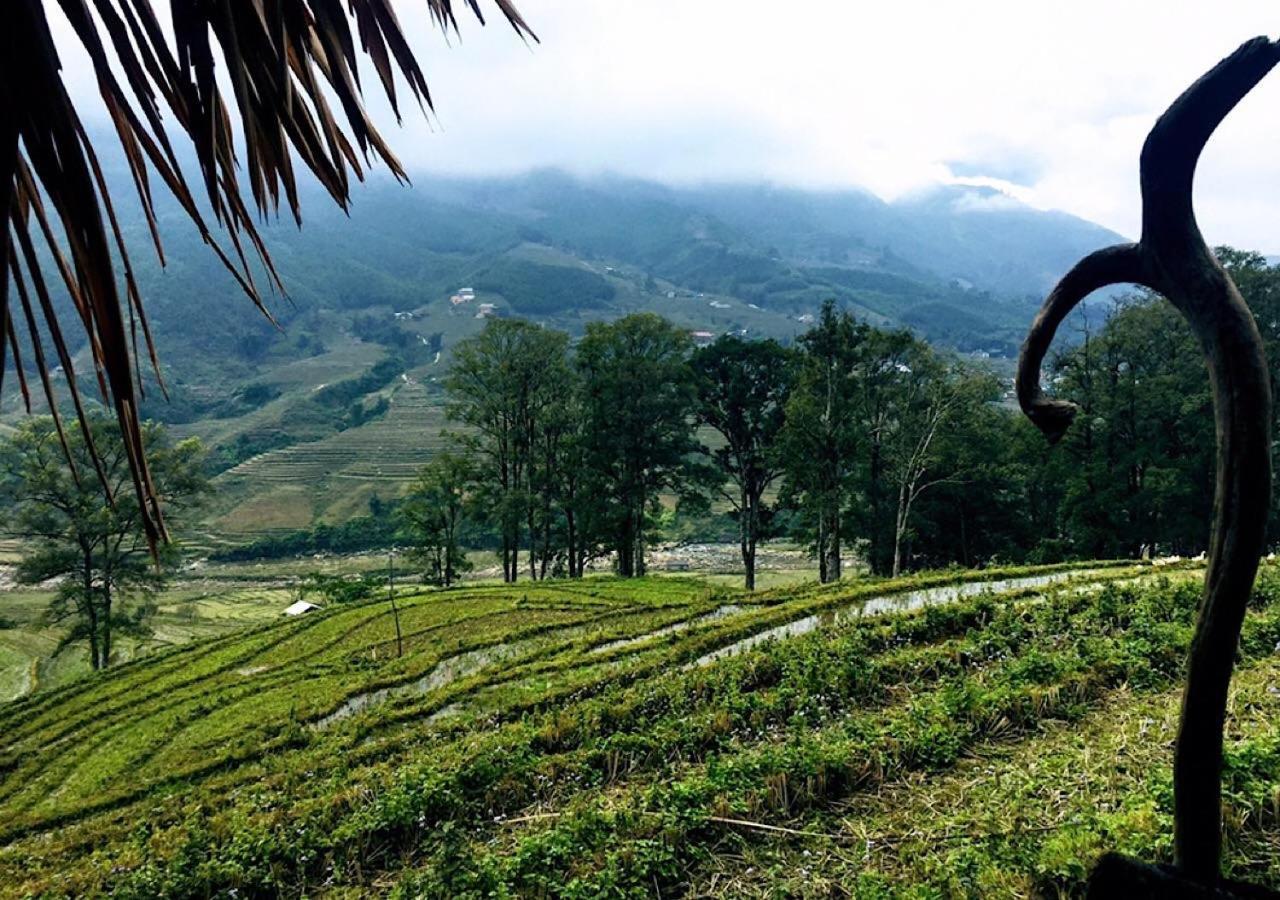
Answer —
855 440
572 452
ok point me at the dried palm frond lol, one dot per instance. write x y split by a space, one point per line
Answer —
282 59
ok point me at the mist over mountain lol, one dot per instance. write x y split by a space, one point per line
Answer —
964 266
376 300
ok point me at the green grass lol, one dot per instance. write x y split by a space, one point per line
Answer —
557 759
33 658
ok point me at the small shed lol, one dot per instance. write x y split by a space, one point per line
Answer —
300 608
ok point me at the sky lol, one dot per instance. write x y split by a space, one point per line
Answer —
1048 100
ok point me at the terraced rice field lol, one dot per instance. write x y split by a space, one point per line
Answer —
33 656
614 738
332 478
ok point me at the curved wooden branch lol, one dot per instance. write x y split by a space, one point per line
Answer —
1172 258
1173 147
1120 264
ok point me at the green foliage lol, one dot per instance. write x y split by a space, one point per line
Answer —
341 588
639 402
743 388
511 386
431 518
534 289
372 532
1135 472
93 544
350 390
571 697
822 432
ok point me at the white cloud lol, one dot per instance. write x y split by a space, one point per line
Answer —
889 96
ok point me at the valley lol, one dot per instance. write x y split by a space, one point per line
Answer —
349 384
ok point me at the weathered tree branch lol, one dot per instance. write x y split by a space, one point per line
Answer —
1173 259
1121 264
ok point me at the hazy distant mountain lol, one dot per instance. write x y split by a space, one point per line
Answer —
964 266
371 308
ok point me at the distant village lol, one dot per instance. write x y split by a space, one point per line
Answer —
466 296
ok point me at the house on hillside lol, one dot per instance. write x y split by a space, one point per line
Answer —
702 338
302 607
487 311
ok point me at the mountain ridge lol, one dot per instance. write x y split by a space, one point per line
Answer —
371 306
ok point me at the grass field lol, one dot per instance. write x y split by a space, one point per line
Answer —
208 599
981 734
33 657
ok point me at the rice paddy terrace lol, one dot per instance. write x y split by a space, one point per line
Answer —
953 734
331 479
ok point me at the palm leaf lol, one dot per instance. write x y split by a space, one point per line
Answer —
283 59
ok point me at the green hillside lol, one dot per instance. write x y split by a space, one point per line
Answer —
593 738
370 312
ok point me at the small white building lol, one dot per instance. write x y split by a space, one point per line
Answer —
302 607
487 311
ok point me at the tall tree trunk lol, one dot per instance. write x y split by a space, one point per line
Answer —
571 540
747 529
900 527
90 610
106 622
875 490
829 549
533 543
627 547
821 546
515 550
834 572
638 567
450 552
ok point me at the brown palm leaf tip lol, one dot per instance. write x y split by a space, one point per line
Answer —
281 58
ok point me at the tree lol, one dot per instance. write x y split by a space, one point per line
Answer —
431 517
743 387
505 385
339 588
98 551
639 404
820 435
882 360
285 61
932 397
1138 467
